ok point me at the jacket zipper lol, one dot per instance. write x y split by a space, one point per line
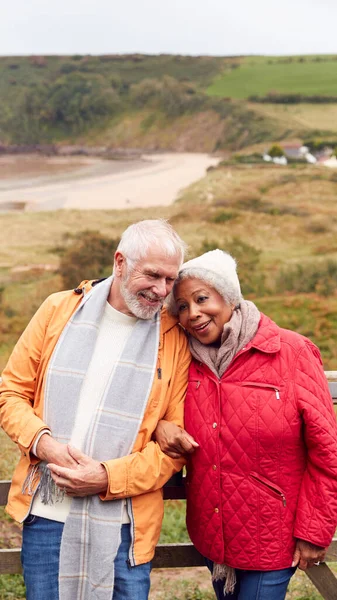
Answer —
218 458
159 369
275 490
131 560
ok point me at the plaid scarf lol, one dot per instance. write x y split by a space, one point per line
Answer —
92 531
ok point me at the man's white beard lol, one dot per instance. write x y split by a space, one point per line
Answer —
134 305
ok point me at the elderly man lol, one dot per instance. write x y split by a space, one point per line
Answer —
83 391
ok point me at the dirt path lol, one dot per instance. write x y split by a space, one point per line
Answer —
154 180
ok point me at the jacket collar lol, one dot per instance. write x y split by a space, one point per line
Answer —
267 338
167 322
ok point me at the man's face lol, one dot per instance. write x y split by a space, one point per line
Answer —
145 284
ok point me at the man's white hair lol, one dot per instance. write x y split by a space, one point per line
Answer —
139 238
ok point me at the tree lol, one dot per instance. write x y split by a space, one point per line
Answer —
71 103
78 99
276 151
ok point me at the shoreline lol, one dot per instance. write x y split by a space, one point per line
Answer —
93 183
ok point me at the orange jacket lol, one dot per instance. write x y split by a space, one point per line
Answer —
139 475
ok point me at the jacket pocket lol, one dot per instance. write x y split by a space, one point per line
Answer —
194 383
263 386
268 486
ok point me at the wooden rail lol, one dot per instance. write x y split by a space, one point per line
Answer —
185 555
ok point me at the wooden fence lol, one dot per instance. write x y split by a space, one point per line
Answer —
185 555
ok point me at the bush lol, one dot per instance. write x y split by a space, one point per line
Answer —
276 98
223 216
317 227
276 151
177 98
77 100
315 145
312 277
173 97
88 255
248 159
71 103
145 92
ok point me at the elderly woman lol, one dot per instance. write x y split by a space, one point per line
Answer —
262 437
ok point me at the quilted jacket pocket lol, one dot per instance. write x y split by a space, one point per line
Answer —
264 386
269 487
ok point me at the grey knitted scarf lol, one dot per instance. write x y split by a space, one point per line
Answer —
92 531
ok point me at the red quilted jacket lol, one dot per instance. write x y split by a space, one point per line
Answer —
266 469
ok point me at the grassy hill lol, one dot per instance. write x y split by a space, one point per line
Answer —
163 102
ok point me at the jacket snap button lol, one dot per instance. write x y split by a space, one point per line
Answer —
216 510
214 425
214 467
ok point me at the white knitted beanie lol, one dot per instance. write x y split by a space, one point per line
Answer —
218 270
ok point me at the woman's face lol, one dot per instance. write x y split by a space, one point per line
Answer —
202 311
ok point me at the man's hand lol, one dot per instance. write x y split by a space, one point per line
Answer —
51 451
173 440
87 478
307 554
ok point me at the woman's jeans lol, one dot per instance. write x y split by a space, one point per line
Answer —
255 585
41 541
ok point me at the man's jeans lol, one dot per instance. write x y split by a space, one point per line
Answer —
255 585
41 542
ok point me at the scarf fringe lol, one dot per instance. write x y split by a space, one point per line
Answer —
39 478
226 574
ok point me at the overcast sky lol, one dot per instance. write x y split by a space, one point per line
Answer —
217 27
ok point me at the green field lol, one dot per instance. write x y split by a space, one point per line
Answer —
264 75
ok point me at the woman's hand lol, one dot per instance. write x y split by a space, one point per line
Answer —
173 440
307 554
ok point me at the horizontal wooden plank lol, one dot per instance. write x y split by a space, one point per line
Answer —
333 390
331 375
171 556
171 492
167 556
10 562
176 492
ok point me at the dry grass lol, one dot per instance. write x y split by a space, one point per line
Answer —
301 116
154 131
305 190
29 238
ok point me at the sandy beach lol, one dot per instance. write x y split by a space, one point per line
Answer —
153 180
